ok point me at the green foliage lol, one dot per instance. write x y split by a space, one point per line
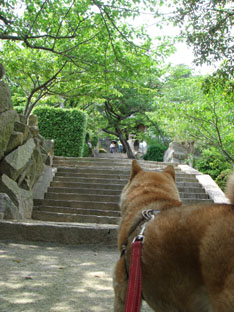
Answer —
75 52
192 108
19 109
207 26
214 164
67 127
86 150
155 152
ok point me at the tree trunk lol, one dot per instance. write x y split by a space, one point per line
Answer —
125 143
120 135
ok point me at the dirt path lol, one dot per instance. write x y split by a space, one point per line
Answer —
42 277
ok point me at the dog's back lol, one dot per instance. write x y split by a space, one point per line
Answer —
188 251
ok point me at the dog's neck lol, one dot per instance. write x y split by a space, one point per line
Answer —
132 219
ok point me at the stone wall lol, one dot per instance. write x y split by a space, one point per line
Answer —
24 153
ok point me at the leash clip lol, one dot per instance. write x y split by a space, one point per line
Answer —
140 236
147 215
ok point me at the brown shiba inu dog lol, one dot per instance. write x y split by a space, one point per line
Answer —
188 251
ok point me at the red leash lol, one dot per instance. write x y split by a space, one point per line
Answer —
133 300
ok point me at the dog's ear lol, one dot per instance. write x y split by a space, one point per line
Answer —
135 169
170 169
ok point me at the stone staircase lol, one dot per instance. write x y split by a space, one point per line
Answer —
81 203
87 190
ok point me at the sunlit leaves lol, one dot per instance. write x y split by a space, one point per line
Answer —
187 113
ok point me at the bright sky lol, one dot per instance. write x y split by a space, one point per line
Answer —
183 55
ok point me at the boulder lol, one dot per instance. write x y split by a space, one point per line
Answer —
33 120
15 162
7 120
21 198
21 127
5 98
32 172
175 153
7 208
23 119
34 131
16 139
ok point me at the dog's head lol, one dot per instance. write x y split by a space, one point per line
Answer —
145 188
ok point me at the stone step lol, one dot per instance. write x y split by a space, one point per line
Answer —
92 175
101 170
111 191
107 198
98 161
86 185
77 204
107 175
68 217
110 181
107 186
83 191
83 197
64 233
78 211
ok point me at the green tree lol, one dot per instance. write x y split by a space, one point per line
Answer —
81 49
193 108
123 110
207 26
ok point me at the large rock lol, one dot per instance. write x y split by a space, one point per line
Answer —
16 139
175 153
5 98
33 120
32 172
8 209
21 198
7 120
15 162
21 127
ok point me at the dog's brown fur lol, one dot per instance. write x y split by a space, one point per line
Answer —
188 251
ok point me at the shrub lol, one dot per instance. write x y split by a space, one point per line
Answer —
86 150
155 152
67 127
214 164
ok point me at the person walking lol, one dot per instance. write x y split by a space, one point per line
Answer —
112 147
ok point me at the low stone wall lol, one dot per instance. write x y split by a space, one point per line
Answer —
211 188
24 154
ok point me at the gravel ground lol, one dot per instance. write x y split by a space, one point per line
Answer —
36 277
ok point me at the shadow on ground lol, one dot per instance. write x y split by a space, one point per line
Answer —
37 277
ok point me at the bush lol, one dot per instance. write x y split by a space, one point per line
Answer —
86 150
67 127
214 164
155 152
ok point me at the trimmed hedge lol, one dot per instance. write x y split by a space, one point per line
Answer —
67 127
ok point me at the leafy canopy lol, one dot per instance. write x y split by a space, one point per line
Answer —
79 49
